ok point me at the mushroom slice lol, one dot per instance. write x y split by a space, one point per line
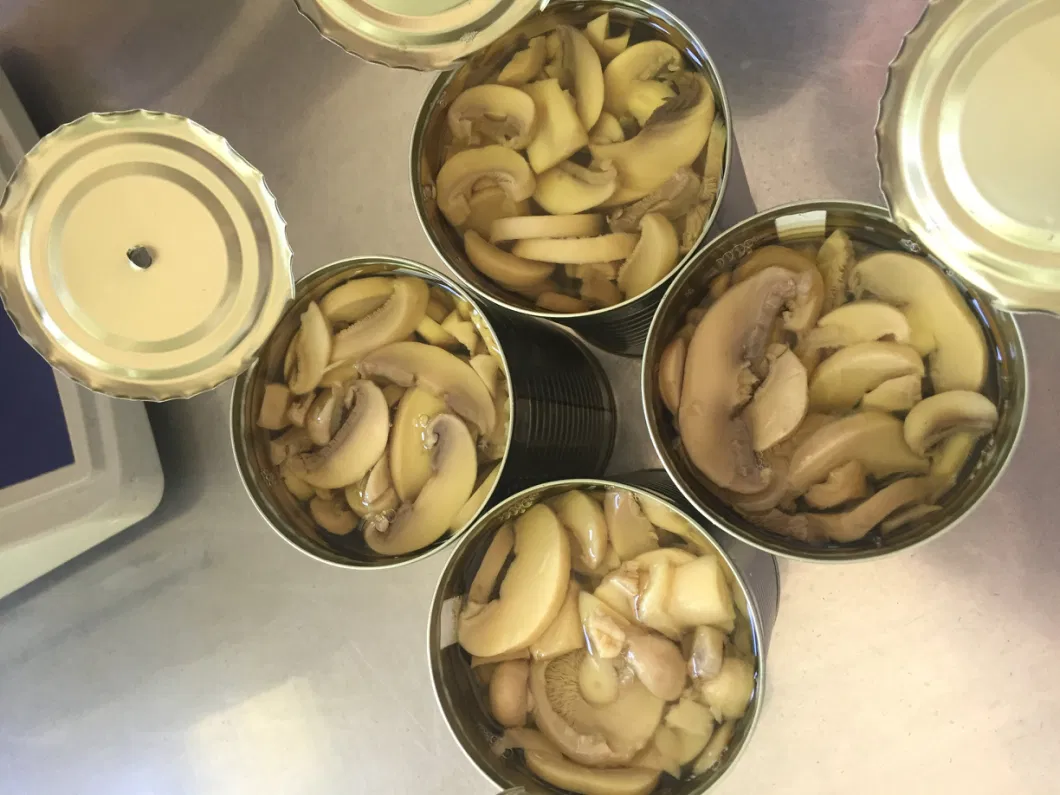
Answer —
600 291
671 371
606 629
607 47
588 781
460 173
564 634
673 137
714 161
861 321
582 73
844 484
488 369
806 307
629 531
947 460
357 298
578 251
679 747
312 352
654 256
940 416
570 188
290 443
299 489
708 653
544 226
504 268
485 579
646 97
290 356
842 380
857 523
584 518
729 693
603 735
780 403
672 199
453 468
641 62
772 257
531 594
525 65
333 516
410 460
894 394
942 326
873 438
834 259
338 373
509 693
560 131
658 664
564 304
477 499
907 515
607 130
394 320
355 448
463 331
716 747
486 206
731 336
375 493
700 595
324 417
273 415
495 114
441 373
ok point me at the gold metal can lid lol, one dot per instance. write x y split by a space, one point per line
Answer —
415 34
968 143
142 256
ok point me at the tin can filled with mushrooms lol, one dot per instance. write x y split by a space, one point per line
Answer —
569 169
419 411
590 636
821 386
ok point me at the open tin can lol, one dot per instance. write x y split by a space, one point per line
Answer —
144 258
754 584
474 41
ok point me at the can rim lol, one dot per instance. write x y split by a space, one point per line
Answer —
240 395
442 82
754 610
779 550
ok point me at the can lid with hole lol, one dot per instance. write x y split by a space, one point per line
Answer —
415 34
967 144
142 256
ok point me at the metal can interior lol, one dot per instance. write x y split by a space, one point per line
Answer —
465 713
1006 381
619 329
561 410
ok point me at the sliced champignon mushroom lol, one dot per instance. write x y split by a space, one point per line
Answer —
432 332
312 351
489 570
604 735
654 256
589 781
844 378
798 526
299 408
937 417
858 522
527 739
716 747
731 337
700 595
942 325
708 652
290 443
844 484
780 403
578 250
640 63
565 633
509 693
672 199
299 489
658 664
453 470
949 459
619 590
714 161
894 394
605 629
324 417
907 515
333 516
670 555
600 291
531 593
464 331
646 97
489 370
598 680
663 516
689 716
873 438
673 137
860 321
607 47
338 373
504 268
486 206
441 373
357 298
775 494
771 257
291 356
671 372
493 114
461 172
607 130
410 460
584 519
395 320
374 494
679 746
806 307
477 499
729 693
275 401
570 188
834 259
719 284
560 131
525 65
581 73
562 304
628 530
355 448
545 227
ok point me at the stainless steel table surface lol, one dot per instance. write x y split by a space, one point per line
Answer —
198 653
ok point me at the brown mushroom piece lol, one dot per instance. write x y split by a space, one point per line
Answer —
672 199
729 340
938 417
460 173
844 484
395 320
494 114
780 403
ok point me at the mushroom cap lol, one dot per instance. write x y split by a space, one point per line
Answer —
459 174
495 114
940 416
